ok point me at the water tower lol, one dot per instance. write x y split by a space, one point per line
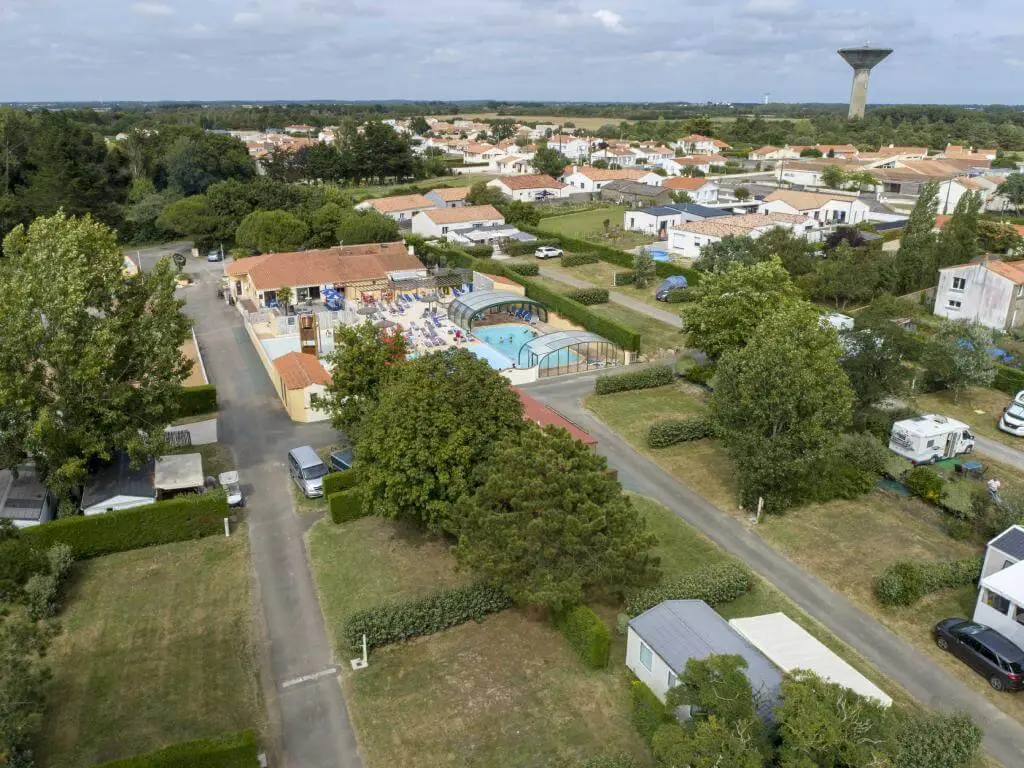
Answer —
863 60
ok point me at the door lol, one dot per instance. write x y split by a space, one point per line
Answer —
951 442
971 652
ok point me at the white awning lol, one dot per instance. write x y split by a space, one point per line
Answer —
178 472
1008 583
790 646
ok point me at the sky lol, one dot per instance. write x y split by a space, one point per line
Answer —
946 51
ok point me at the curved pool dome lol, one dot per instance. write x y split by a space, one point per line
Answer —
569 352
465 309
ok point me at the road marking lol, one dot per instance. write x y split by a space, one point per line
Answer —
333 670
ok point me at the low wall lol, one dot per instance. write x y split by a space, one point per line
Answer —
519 376
198 433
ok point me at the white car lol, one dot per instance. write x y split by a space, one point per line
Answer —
1012 420
214 256
547 252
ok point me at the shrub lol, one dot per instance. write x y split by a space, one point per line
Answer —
41 596
1007 379
700 374
346 505
624 278
648 713
236 751
925 484
19 560
878 421
934 739
444 609
340 481
60 558
671 431
197 400
907 581
588 635
865 452
579 259
480 251
680 295
652 376
838 479
527 270
588 296
525 249
714 584
186 517
958 530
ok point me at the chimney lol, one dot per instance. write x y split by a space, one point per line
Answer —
412 251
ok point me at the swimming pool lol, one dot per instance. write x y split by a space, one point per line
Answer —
501 345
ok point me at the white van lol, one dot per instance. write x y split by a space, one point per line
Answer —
930 438
307 470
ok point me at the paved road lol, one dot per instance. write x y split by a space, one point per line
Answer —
1001 453
1004 736
309 722
670 318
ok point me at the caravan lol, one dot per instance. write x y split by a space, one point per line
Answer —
930 438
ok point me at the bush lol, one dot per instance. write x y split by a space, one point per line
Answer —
700 374
186 517
1008 380
41 596
865 452
925 484
878 421
648 713
935 739
340 481
19 561
588 635
672 431
198 400
838 479
680 295
959 530
527 270
444 609
579 259
714 584
907 581
236 751
588 296
479 251
646 378
346 505
624 278
526 249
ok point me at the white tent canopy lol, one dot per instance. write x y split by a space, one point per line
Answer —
178 472
790 647
1008 583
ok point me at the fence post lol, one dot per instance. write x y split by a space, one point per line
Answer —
227 526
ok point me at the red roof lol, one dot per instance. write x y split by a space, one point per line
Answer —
536 411
299 370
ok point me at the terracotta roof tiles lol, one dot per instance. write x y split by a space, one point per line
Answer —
299 370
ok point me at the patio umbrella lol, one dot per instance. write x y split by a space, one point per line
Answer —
367 310
384 323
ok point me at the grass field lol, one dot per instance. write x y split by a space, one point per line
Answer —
156 649
979 407
589 225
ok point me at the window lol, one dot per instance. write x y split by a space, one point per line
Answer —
953 304
646 656
1018 614
444 230
673 681
997 602
959 283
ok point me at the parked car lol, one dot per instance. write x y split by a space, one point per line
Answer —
340 461
672 282
307 470
1012 420
547 252
990 654
215 256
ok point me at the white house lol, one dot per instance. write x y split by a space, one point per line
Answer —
439 222
700 189
482 153
987 292
1000 602
541 130
687 239
952 190
623 156
770 152
660 641
513 163
529 188
573 147
827 208
448 197
584 178
401 208
657 220
697 144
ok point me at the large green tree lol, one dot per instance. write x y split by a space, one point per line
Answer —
731 304
710 743
271 231
549 523
196 161
550 161
437 418
958 242
90 359
782 401
873 362
718 686
644 268
1012 189
957 356
915 260
850 275
357 227
195 218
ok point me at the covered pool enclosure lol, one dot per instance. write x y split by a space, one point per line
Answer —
561 352
469 307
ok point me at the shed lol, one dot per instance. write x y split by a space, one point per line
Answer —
116 485
661 640
178 472
23 499
789 646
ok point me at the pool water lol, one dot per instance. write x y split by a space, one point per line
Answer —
501 345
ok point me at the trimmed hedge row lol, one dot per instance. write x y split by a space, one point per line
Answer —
668 432
647 713
192 516
588 635
446 608
906 582
346 505
525 249
526 270
714 584
340 481
194 401
653 376
679 295
579 259
624 278
589 296
237 751
1009 380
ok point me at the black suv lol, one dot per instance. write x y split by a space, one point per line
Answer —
984 649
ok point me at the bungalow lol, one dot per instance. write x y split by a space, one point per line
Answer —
401 208
835 209
770 152
635 193
528 188
514 163
301 383
448 197
1000 603
573 147
658 220
24 500
621 156
482 153
677 165
697 144
585 178
840 151
687 239
989 292
653 153
911 153
441 222
700 189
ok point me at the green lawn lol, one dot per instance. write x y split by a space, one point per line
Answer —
589 225
978 406
156 649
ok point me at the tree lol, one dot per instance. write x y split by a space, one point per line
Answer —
680 196
323 225
934 739
850 275
550 525
362 360
437 418
1013 190
741 193
833 177
481 194
193 217
419 125
143 216
957 356
958 241
23 679
810 152
644 268
196 161
873 363
271 231
549 161
90 360
710 743
520 213
731 304
916 260
996 237
781 402
716 686
366 227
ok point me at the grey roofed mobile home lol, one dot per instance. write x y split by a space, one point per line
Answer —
23 499
116 485
1010 542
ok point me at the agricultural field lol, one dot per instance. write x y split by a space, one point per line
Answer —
589 123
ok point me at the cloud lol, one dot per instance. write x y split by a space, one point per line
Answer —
773 7
153 9
610 20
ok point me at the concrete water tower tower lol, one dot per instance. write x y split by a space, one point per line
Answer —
863 60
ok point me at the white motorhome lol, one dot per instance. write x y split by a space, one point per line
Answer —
930 438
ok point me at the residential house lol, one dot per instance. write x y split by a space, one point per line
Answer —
955 151
448 197
653 153
772 153
826 208
401 208
990 292
657 220
624 157
443 221
700 189
1000 602
24 500
303 130
660 642
301 383
516 163
952 190
573 147
687 239
542 129
528 188
809 172
695 144
910 153
482 153
635 193
678 165
839 151
585 178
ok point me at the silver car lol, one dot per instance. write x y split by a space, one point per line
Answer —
307 469
547 252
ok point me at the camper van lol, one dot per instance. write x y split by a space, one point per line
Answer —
930 438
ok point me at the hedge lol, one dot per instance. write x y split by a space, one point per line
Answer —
237 751
588 635
525 249
446 608
480 251
589 296
648 713
907 581
191 516
624 278
1009 380
340 481
579 259
346 505
679 295
714 584
526 270
194 401
668 432
575 312
652 376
